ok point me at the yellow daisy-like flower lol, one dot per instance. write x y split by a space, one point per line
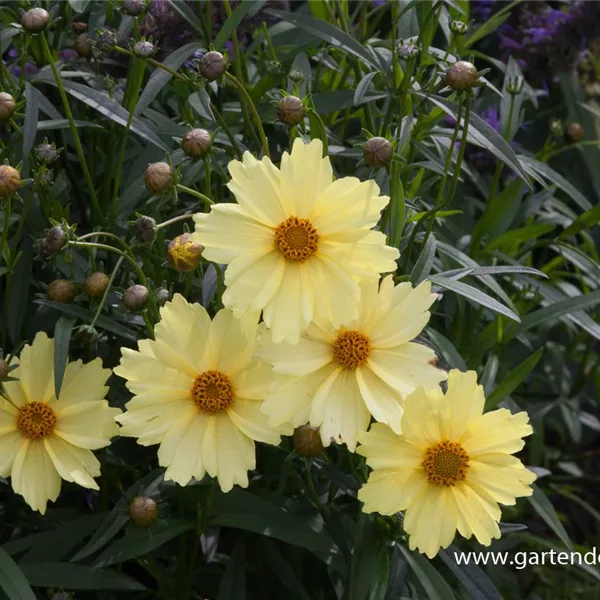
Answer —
451 467
340 377
198 391
44 438
296 241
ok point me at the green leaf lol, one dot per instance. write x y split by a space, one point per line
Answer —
188 14
282 569
233 22
546 511
64 124
200 102
30 126
119 515
476 583
514 379
541 172
142 540
362 87
77 577
422 267
110 109
87 316
446 349
329 33
514 238
12 580
468 291
427 577
558 309
233 583
370 561
79 6
160 78
511 104
62 339
585 221
19 293
484 134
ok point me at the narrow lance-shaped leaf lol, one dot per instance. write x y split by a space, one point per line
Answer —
62 339
544 508
12 580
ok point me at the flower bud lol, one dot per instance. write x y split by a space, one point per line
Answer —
459 27
135 297
290 110
462 76
4 368
575 132
557 128
515 85
183 253
158 177
7 106
307 441
61 290
89 334
47 153
407 51
162 296
143 510
35 20
145 229
79 27
54 241
212 65
95 285
106 39
82 45
133 8
296 75
275 68
10 181
377 152
144 49
196 142
47 178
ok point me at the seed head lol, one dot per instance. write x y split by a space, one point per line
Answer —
35 20
82 45
290 110
143 510
135 297
47 153
61 290
144 49
183 253
406 51
307 441
54 241
10 181
462 76
134 8
212 65
7 106
106 39
377 152
196 142
95 285
158 177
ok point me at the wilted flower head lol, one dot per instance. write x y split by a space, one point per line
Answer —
183 253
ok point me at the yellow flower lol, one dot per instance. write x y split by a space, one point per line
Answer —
296 241
198 391
451 466
43 438
340 377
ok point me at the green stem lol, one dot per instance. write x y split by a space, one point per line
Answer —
228 132
7 211
199 195
94 234
174 220
75 134
261 132
461 151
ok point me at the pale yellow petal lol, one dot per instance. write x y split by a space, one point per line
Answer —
338 409
82 383
247 417
10 444
172 438
502 476
186 443
382 401
236 454
480 512
465 401
496 431
256 186
8 417
34 476
371 256
389 491
254 381
228 231
36 369
407 367
385 449
88 425
14 390
304 176
422 422
229 348
73 464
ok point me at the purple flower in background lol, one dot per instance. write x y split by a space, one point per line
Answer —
481 10
30 69
67 55
378 2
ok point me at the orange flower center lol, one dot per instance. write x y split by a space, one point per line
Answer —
296 239
36 420
446 463
212 392
351 349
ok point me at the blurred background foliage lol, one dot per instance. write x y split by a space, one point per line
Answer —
499 210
